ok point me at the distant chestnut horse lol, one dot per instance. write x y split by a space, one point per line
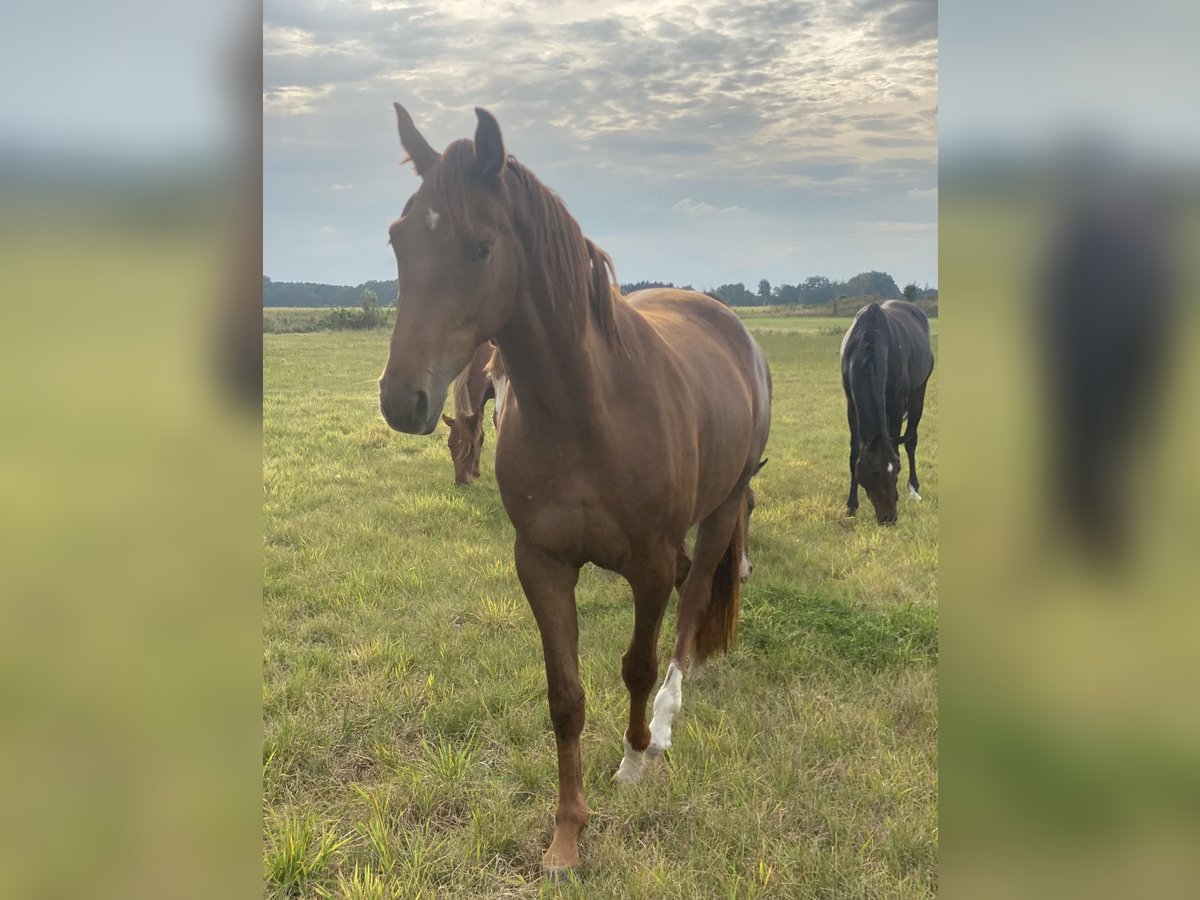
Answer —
886 363
472 390
625 423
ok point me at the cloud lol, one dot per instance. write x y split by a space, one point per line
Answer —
792 108
898 226
691 207
293 100
924 194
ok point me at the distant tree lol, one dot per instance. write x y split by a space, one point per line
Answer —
872 284
368 302
816 289
735 294
764 291
911 292
644 285
786 294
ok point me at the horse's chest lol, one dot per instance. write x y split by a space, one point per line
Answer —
565 503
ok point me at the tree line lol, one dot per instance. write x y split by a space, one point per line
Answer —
813 291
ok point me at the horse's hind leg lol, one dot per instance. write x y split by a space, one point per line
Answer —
549 585
639 665
683 565
712 543
916 406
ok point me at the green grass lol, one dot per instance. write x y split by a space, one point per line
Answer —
408 748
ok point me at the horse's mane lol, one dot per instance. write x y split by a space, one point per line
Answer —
870 324
870 356
565 271
462 393
494 368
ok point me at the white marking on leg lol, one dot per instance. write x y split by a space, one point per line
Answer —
744 569
912 492
666 703
633 764
432 217
501 384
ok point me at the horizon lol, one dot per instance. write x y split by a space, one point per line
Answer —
749 284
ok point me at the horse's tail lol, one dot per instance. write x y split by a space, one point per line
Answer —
718 631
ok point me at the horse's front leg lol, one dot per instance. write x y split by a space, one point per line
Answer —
852 500
549 585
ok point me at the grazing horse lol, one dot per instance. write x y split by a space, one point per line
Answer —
625 423
472 390
886 363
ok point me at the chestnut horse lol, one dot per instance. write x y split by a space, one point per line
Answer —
625 423
886 363
472 390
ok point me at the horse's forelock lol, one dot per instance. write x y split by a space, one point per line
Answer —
454 182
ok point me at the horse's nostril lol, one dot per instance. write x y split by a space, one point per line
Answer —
422 406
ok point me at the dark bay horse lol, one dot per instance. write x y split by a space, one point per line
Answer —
625 423
472 390
886 363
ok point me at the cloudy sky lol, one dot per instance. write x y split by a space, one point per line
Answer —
697 142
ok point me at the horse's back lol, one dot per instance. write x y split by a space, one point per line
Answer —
716 356
910 329
704 334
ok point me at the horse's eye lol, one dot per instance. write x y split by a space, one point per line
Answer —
482 251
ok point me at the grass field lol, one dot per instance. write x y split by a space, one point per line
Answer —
408 748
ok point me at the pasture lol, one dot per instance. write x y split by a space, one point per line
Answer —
408 748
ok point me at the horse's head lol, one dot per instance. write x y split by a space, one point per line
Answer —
877 471
458 266
466 445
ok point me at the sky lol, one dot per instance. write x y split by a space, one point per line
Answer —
697 142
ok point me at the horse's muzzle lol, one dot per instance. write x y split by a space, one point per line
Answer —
407 410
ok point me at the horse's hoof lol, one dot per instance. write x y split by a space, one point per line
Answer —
629 772
558 873
850 512
912 492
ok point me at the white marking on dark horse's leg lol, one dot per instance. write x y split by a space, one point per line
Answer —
912 492
501 384
666 703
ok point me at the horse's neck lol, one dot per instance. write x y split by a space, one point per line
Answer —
868 384
554 374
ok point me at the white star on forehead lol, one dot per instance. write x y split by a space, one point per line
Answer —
432 217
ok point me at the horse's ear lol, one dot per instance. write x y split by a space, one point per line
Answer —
489 145
449 421
423 156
